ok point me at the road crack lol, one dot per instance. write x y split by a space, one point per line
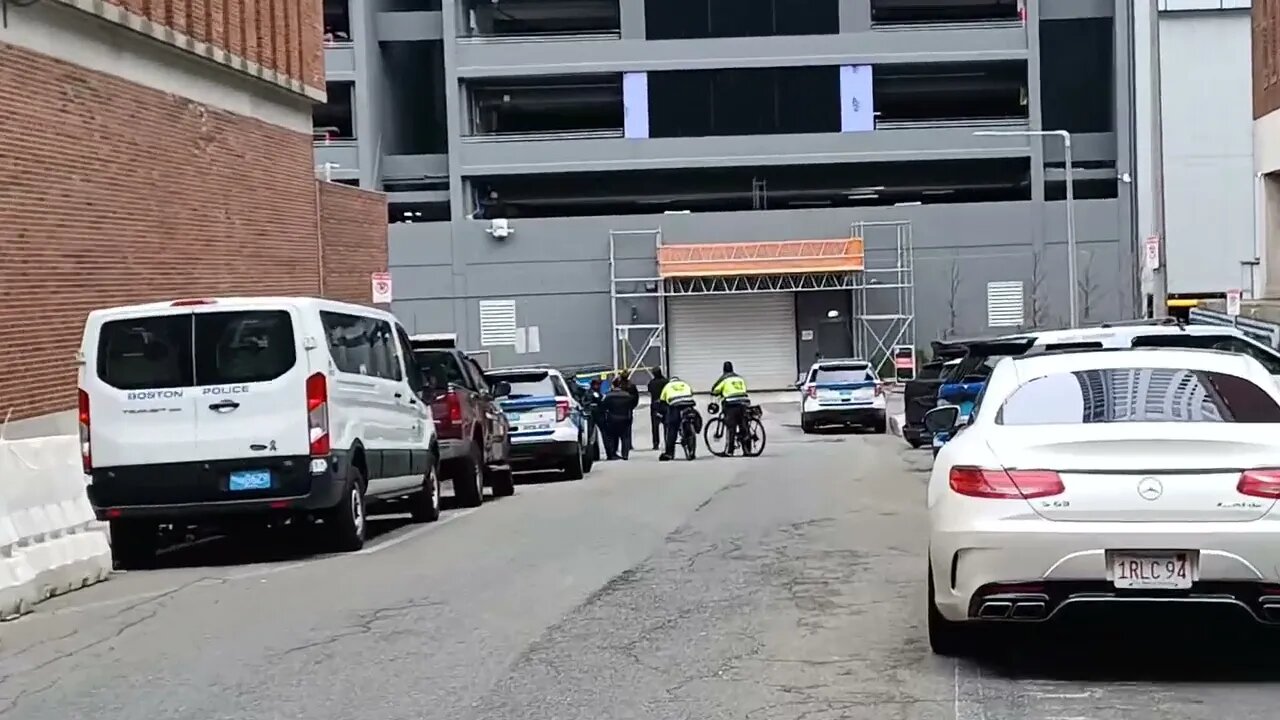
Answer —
364 626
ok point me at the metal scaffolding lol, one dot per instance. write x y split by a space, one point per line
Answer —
636 304
884 301
883 292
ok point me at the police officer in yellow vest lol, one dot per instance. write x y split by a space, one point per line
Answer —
676 396
730 391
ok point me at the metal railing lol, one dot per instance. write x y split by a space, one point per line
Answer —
550 135
952 25
539 38
954 123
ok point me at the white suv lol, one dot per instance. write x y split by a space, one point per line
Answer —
235 411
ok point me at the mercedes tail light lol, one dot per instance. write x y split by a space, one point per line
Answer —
318 414
1005 484
879 389
813 391
1260 482
562 410
86 454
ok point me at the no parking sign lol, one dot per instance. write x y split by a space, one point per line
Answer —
381 287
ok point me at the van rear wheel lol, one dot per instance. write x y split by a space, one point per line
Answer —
134 543
345 524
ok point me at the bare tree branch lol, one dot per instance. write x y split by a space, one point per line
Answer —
953 298
1039 292
1088 287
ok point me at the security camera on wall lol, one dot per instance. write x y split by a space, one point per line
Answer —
499 229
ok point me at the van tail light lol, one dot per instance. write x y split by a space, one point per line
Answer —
812 390
562 410
191 301
879 389
1260 482
1005 484
318 414
86 454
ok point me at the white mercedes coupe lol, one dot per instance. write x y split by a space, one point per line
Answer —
1101 479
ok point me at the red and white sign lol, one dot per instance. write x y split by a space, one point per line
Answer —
1233 302
1152 252
381 287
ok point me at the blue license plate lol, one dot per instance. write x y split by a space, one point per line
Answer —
250 480
846 393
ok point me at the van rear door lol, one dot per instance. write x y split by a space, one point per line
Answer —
139 379
251 382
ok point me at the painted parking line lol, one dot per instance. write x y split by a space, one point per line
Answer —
392 542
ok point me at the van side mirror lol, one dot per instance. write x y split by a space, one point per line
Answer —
501 389
942 419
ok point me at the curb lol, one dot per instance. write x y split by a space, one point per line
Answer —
895 424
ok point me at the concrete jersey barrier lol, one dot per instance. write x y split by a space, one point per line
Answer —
49 541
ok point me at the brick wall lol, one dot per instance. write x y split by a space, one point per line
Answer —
1266 57
115 193
353 226
285 36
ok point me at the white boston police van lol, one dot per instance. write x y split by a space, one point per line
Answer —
237 412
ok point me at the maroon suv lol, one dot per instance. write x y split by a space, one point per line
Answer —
475 449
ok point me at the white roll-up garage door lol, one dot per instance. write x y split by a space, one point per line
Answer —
756 332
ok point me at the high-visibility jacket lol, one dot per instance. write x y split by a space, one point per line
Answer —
729 386
676 390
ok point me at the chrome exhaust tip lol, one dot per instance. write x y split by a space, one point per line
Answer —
996 610
1271 613
1029 611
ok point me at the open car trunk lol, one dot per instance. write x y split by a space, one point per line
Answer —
964 381
920 394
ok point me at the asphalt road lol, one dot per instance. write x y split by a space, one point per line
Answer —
786 587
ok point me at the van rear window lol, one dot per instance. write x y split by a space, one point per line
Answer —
146 353
219 348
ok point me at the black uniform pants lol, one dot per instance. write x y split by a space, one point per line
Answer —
656 418
671 423
735 415
617 442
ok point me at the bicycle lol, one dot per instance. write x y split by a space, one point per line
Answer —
751 435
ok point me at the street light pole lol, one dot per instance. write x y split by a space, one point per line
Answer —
1073 290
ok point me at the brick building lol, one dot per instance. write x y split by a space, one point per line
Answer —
153 149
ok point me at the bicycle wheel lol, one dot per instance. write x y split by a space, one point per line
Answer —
755 429
690 440
715 437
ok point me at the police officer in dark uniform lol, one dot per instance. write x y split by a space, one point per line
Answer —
656 416
618 407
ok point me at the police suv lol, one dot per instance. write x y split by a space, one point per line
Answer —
235 411
548 427
842 392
